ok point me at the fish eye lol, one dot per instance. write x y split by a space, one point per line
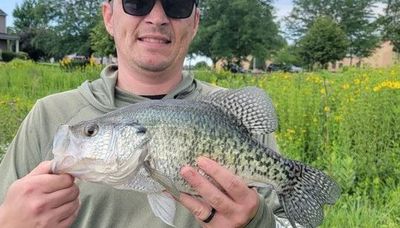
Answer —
91 130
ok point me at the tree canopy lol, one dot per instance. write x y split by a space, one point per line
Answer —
391 23
235 29
355 17
324 42
55 28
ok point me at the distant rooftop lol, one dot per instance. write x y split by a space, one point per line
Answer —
2 13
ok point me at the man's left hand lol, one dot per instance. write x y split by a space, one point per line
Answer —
235 204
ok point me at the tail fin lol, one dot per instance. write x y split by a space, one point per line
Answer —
305 194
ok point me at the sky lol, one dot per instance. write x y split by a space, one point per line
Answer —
283 8
8 6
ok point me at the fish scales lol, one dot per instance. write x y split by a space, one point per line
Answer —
198 129
142 147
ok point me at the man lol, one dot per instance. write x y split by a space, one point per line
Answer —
152 40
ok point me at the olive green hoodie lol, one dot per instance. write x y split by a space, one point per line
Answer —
103 206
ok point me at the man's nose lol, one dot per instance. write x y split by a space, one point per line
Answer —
157 15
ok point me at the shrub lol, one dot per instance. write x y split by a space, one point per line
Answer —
7 56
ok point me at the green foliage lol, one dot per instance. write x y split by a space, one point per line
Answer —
390 22
344 123
356 18
101 42
7 56
55 28
323 43
288 55
233 30
201 66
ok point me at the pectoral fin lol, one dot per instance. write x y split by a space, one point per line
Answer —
162 179
163 207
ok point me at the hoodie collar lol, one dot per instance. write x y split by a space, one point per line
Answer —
105 96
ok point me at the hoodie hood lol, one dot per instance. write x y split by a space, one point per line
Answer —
105 96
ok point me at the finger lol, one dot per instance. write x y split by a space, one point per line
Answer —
234 186
208 191
67 222
56 182
63 196
43 168
67 210
197 207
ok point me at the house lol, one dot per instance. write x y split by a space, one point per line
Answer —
383 56
8 42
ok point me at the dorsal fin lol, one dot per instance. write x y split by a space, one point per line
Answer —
250 105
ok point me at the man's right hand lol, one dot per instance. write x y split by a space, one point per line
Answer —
41 199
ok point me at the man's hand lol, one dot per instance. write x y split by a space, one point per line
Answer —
40 199
234 206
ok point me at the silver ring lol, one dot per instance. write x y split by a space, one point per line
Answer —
211 216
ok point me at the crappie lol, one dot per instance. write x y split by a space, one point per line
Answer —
143 146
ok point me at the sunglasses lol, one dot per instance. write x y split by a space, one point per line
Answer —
176 9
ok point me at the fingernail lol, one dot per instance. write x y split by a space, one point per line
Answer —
203 162
187 172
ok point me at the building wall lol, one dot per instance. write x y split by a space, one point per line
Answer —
384 56
3 24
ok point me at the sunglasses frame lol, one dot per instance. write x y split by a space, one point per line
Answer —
195 3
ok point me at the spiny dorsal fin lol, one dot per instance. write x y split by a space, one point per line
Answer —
250 105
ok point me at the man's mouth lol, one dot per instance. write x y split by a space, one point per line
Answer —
154 40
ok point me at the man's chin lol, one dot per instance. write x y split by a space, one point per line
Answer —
155 67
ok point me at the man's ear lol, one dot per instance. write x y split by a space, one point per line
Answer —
196 21
107 11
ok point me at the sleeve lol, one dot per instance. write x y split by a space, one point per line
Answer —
24 152
270 213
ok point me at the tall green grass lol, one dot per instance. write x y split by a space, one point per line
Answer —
345 123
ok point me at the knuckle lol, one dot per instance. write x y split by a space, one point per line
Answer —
38 207
216 201
74 191
199 212
213 171
233 184
76 205
67 179
239 220
26 188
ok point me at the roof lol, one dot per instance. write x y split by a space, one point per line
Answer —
4 36
2 13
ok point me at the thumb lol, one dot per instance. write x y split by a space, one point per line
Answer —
43 168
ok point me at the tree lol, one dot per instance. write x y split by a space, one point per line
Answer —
391 23
288 55
355 17
31 20
55 28
74 21
101 42
235 29
324 42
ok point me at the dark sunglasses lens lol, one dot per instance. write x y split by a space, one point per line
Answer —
138 7
178 8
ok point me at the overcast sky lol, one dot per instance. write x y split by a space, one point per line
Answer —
283 8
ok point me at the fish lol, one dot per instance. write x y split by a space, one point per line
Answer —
143 146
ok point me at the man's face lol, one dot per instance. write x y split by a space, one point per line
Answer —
151 43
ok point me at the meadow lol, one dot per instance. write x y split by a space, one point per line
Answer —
345 123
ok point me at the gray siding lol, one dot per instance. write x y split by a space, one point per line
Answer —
3 24
3 45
